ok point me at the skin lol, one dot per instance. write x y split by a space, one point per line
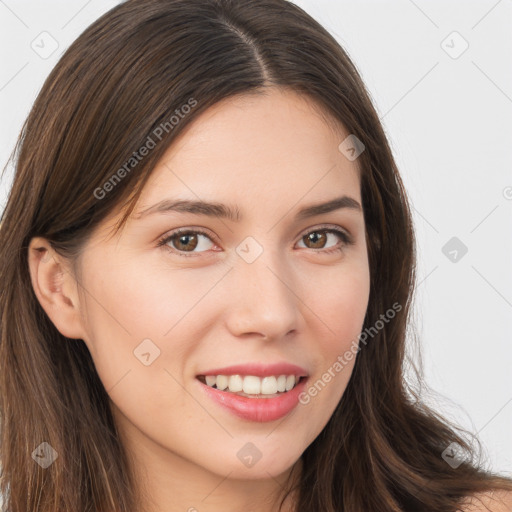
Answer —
491 501
270 155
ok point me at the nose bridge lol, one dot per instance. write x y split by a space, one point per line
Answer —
263 300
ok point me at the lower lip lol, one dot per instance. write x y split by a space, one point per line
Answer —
257 409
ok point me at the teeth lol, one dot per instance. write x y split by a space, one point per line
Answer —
210 380
252 385
221 381
269 385
236 383
290 382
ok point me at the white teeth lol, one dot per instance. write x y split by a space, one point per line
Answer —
221 382
290 382
236 383
252 385
268 385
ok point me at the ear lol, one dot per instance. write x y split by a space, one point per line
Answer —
55 288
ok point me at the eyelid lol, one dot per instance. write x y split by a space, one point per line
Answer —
326 227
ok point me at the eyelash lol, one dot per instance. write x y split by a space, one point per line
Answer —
347 239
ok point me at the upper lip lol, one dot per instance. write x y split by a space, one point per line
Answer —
259 370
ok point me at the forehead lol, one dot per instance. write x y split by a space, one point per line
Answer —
279 146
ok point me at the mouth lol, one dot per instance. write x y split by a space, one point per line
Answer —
253 386
254 398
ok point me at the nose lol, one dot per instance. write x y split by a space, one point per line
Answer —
263 298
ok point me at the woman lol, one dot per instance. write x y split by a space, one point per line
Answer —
207 268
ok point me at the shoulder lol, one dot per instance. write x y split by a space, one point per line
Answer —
492 501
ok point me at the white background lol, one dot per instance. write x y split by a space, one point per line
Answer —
449 124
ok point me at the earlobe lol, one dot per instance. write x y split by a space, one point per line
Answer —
55 288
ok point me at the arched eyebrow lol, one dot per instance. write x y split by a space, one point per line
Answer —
232 213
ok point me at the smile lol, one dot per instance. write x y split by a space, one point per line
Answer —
251 385
255 391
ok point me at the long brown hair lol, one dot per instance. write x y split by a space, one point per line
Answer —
119 83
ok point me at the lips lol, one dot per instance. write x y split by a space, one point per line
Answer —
256 407
258 370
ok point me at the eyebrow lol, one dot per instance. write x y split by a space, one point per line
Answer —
232 213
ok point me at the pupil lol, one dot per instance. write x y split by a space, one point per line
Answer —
315 237
185 237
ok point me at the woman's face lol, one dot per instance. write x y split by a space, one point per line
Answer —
272 287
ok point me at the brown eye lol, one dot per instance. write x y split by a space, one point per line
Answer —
316 238
185 242
319 238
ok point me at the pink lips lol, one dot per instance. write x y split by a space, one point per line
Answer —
259 370
257 409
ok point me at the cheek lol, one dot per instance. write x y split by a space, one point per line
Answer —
136 343
341 301
126 306
337 325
